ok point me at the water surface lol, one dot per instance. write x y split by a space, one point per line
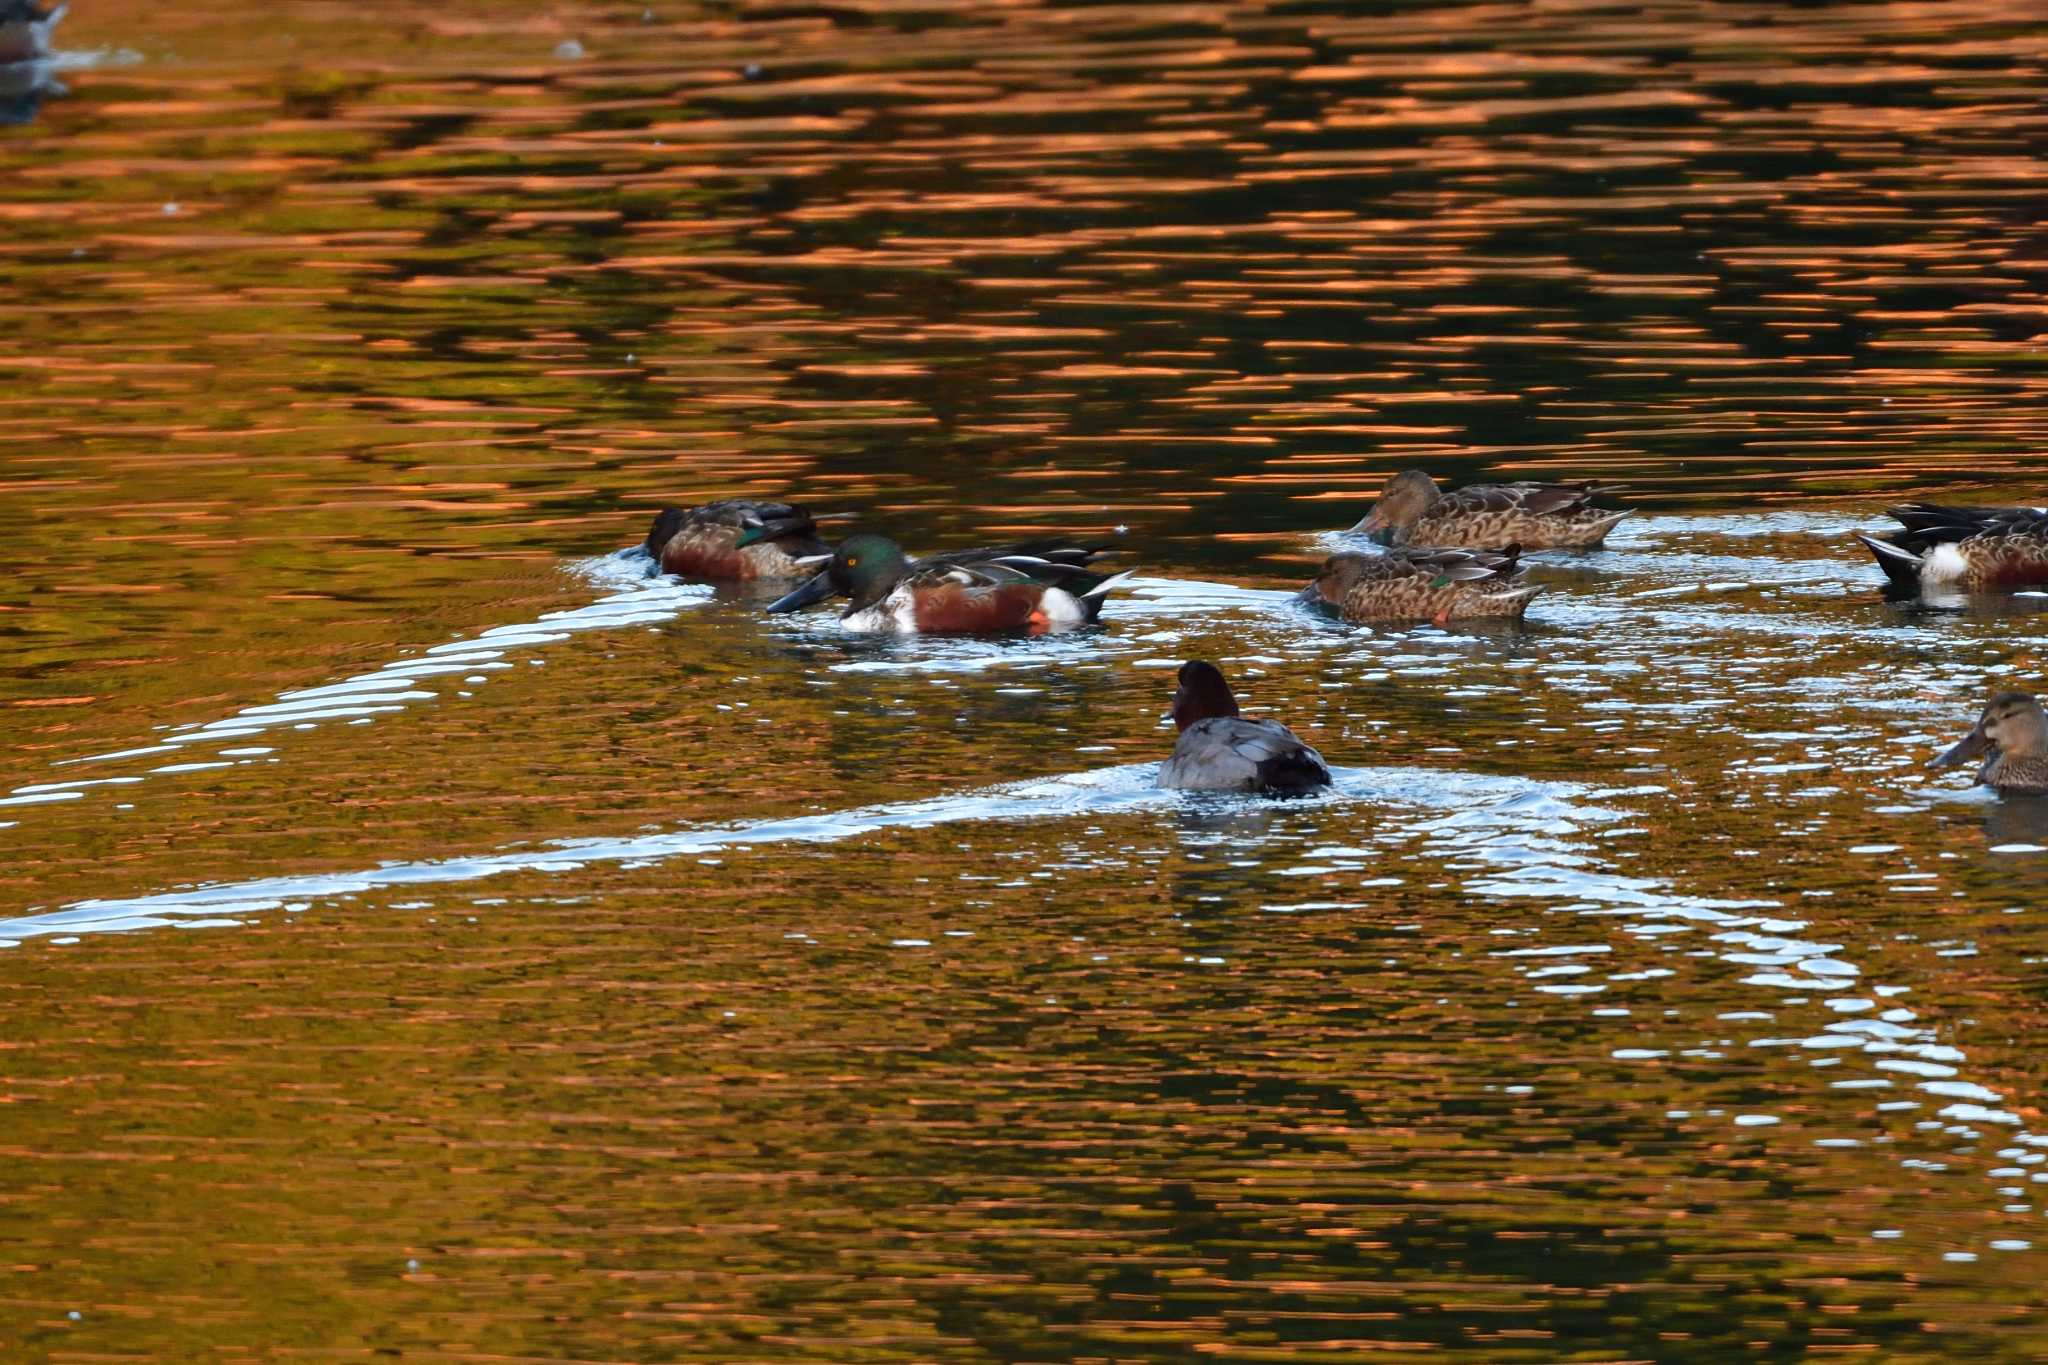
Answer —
432 935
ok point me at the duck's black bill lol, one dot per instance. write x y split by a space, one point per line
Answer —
1971 748
814 589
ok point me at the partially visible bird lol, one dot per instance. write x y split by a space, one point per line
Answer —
736 539
1219 750
1965 549
1422 585
1490 516
2011 737
1033 586
25 30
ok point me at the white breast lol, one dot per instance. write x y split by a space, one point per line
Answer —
896 612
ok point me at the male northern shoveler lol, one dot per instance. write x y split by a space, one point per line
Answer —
1219 750
737 539
2012 739
1032 586
1490 516
25 31
1964 549
1422 585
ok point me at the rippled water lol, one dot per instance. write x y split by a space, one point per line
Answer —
432 935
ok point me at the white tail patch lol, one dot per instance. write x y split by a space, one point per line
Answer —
1944 564
1062 608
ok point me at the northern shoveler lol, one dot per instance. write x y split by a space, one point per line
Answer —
1033 586
1490 516
2012 739
737 539
1964 549
25 31
1219 750
1437 585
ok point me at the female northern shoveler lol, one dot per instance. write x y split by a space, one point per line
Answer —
1490 516
1422 585
736 539
1033 586
2012 738
1966 549
1219 750
25 31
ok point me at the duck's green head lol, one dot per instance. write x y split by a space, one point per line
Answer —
864 567
1402 501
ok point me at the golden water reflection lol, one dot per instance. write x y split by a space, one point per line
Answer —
526 958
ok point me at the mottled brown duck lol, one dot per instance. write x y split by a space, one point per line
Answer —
2011 738
1412 510
1963 549
1440 585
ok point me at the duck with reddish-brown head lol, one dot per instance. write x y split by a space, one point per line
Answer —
1032 587
1221 750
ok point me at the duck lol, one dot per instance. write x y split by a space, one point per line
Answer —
1412 510
1440 585
1964 549
1033 586
2011 736
1219 750
737 539
25 31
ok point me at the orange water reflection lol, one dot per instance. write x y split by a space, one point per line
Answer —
334 336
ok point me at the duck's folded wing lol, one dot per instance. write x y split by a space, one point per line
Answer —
1530 499
1457 566
1934 523
1261 741
1029 561
1232 753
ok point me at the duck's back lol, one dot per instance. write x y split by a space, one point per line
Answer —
1535 516
1231 753
1434 584
1977 549
1032 585
734 539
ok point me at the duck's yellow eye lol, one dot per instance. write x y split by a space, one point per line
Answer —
853 561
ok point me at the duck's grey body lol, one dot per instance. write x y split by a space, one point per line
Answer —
1231 753
25 31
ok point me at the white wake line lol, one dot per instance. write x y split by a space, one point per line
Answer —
1095 792
391 687
1513 834
1900 1047
643 598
